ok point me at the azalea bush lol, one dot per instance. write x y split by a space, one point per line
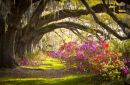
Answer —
24 61
95 57
30 58
124 48
36 55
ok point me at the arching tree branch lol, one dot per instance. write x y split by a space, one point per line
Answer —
101 23
38 11
120 23
68 25
99 8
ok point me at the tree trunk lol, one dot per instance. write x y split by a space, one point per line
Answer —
7 43
36 40
20 48
29 48
2 31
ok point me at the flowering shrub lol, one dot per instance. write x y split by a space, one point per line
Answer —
93 56
127 62
25 61
29 59
36 55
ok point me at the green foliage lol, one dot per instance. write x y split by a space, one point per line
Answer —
116 46
33 56
121 46
48 48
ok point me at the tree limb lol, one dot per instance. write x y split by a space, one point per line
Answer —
125 1
68 25
64 14
39 10
59 36
101 23
51 27
120 23
76 32
18 9
99 8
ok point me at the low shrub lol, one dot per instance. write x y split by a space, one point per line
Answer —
30 58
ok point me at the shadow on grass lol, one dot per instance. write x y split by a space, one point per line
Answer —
69 80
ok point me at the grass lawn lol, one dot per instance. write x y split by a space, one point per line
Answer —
67 80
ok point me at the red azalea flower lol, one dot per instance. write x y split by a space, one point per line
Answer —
111 53
48 53
93 68
100 55
96 60
105 45
98 69
106 49
89 79
104 59
117 60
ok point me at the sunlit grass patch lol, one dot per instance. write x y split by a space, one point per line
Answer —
54 66
48 63
67 80
52 59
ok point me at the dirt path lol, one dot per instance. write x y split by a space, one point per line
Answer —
35 73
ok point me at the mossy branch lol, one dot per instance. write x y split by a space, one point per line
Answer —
67 25
101 23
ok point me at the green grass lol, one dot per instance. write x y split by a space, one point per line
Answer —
49 63
67 80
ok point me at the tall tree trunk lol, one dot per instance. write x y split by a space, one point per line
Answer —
29 48
2 32
20 48
36 40
7 53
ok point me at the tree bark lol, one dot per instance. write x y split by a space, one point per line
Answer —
36 40
29 48
20 48
7 49
2 31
